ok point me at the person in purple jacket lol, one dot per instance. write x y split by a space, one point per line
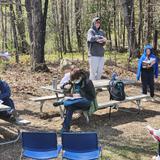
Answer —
5 94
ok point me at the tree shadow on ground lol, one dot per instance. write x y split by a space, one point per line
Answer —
43 115
111 136
122 116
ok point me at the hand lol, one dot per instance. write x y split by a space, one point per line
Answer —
102 40
156 80
152 63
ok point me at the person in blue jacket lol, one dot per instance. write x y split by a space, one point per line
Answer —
147 69
5 94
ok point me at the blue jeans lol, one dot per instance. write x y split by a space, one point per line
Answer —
71 106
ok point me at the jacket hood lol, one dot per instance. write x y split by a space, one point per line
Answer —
94 22
148 46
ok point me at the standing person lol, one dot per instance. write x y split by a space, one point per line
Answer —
148 69
96 40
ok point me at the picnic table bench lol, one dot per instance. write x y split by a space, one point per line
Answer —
115 104
45 98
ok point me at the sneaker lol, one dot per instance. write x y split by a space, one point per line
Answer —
145 100
57 104
152 99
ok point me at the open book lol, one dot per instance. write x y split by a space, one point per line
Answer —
72 98
147 62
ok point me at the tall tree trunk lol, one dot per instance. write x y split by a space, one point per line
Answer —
62 27
149 20
5 28
56 25
2 27
155 40
13 20
124 35
21 27
128 11
109 36
115 26
39 30
140 23
67 26
78 8
29 20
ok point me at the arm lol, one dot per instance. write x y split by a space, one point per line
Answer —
65 79
156 68
5 91
103 39
91 37
90 90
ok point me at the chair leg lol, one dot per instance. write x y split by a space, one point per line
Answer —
61 112
85 113
110 109
138 102
21 156
41 106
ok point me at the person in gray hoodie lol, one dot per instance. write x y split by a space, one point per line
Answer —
96 40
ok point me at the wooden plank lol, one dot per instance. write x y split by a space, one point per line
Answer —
97 84
113 102
36 99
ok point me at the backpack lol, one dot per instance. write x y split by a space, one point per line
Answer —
116 90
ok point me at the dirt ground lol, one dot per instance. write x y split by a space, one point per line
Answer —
124 137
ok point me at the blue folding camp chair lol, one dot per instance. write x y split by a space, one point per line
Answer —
40 145
80 146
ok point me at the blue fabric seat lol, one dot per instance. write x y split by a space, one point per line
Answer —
80 146
40 145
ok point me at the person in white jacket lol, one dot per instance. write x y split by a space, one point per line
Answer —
156 135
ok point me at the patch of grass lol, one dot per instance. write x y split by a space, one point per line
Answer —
128 152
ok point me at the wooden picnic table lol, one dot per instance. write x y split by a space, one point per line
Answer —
103 83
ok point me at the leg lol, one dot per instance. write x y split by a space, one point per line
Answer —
144 82
93 66
68 118
151 84
71 106
100 67
9 102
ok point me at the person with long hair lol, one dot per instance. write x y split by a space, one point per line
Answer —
83 93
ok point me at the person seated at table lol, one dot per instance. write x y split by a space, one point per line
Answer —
5 99
83 93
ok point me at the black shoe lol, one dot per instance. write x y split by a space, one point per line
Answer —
57 104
